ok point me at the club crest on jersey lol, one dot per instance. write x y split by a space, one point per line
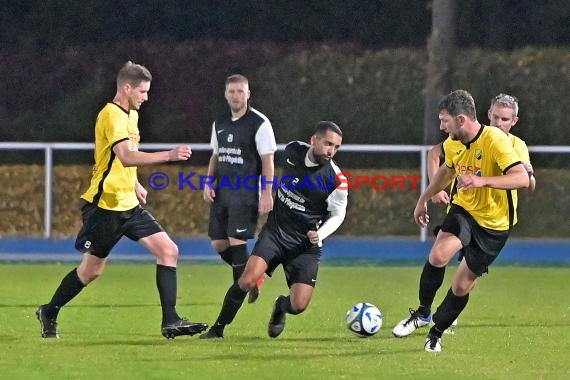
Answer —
478 154
230 137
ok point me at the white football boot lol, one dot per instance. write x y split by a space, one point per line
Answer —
407 326
432 344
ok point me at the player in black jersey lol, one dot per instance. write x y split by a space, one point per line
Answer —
309 206
243 147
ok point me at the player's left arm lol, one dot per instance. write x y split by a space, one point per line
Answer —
266 147
336 206
267 172
515 177
507 159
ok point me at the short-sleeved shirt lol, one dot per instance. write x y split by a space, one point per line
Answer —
239 145
113 185
489 154
521 149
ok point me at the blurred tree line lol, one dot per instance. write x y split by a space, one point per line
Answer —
362 64
376 24
377 95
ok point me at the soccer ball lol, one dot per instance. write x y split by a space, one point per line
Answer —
364 319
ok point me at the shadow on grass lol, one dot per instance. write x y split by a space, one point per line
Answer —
507 325
263 352
103 305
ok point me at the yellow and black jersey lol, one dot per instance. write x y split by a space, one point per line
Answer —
113 185
520 148
489 154
522 151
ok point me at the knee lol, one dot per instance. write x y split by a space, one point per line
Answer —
246 283
439 258
169 255
299 305
461 288
220 245
87 275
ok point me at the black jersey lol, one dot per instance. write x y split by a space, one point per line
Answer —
237 150
302 193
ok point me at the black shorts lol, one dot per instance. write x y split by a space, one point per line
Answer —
102 229
232 216
301 266
481 246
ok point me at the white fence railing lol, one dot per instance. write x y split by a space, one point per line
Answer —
48 149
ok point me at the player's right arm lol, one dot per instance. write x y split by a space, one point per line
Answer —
208 193
441 179
522 151
433 164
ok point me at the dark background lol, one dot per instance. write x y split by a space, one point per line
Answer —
60 58
361 63
376 24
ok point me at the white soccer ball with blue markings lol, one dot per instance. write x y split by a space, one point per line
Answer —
364 319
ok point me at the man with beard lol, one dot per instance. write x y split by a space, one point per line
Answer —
486 170
310 205
243 147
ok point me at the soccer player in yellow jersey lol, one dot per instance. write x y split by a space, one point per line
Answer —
503 113
111 207
486 169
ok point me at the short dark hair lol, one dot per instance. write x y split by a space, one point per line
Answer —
236 78
458 102
324 126
133 74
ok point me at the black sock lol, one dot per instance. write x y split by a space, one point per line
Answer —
448 311
239 259
69 287
166 284
430 281
285 305
232 303
226 256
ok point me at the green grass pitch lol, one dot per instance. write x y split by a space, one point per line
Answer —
516 326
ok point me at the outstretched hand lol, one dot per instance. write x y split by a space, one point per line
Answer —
180 153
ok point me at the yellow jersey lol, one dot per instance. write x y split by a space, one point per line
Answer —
113 185
489 154
520 148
